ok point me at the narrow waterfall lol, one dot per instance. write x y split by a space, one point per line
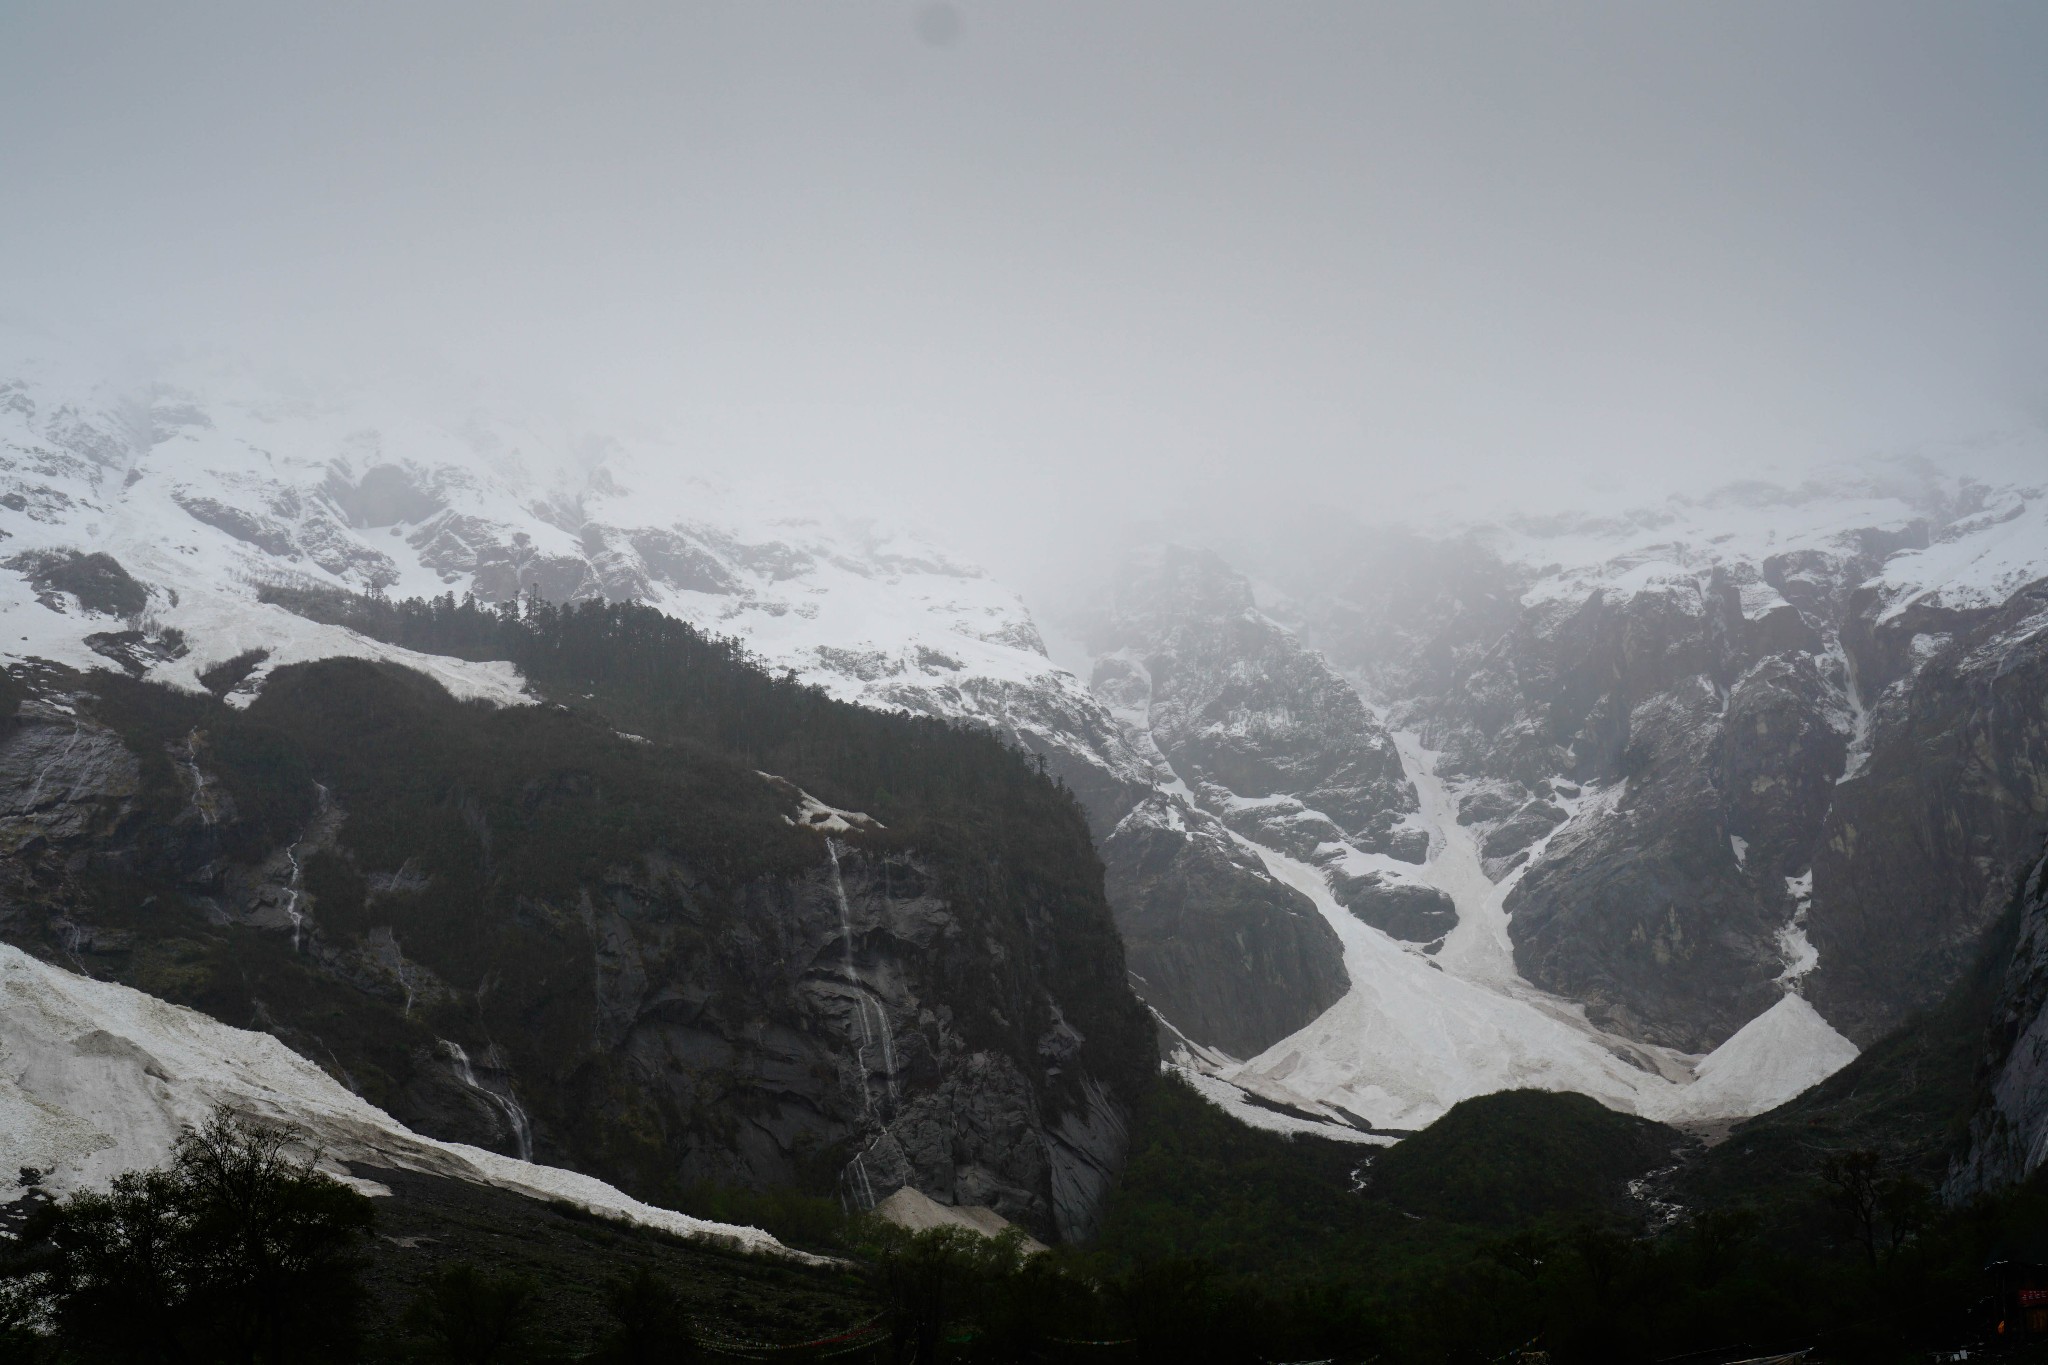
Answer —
864 999
35 793
291 891
199 782
515 1116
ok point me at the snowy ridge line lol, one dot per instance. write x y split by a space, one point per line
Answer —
205 482
97 1079
1983 507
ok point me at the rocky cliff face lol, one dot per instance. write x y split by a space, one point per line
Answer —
1255 742
518 929
1230 957
1268 739
1813 713
2008 1131
1919 851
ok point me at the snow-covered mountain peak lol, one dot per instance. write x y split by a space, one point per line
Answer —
1962 531
204 482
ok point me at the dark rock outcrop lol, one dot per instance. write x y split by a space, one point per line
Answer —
1920 847
1230 957
1403 910
518 929
97 580
1644 912
2008 1132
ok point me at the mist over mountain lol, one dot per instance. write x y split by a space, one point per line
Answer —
1342 664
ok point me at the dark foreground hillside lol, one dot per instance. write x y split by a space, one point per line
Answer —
571 1262
1534 1221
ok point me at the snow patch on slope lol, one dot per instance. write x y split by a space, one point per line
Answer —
206 483
97 1079
1415 1035
1783 1051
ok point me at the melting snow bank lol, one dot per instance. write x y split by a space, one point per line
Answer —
1242 1101
1786 1049
97 1079
1415 1034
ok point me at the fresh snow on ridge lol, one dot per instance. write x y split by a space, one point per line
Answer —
1983 510
97 1079
205 484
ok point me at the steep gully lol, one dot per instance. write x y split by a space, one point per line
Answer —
1417 1033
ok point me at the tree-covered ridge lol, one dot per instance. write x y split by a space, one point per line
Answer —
1536 1223
663 678
998 830
590 927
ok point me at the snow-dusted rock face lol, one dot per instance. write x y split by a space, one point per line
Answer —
1229 956
1263 733
1250 738
1715 788
1922 846
1833 687
200 485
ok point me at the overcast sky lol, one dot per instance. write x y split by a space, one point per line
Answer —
1026 261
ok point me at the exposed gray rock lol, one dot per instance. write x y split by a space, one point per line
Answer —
265 533
2008 1134
1918 851
1521 829
135 651
58 772
1273 745
1487 804
848 1021
1643 912
1232 958
385 495
97 581
1771 716
1246 715
1404 910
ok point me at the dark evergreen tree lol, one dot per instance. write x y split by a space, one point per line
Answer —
238 1251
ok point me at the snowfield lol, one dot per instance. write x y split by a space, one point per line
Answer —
97 1079
1416 1034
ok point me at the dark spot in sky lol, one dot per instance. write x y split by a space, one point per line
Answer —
939 23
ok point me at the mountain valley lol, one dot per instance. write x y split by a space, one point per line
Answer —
642 827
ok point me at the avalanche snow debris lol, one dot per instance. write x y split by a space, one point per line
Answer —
97 1079
1410 1040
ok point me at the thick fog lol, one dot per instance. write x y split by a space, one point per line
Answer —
1036 268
